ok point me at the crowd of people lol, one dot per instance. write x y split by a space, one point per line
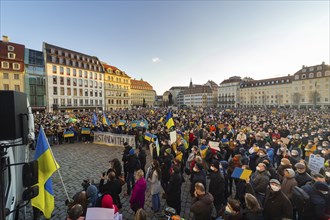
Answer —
276 145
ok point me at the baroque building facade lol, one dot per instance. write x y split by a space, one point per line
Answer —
142 94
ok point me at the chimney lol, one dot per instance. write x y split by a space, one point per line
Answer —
323 63
303 66
5 38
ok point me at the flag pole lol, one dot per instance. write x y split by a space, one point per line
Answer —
57 168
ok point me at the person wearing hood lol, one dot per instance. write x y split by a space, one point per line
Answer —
201 204
138 194
91 195
319 198
259 181
277 205
253 210
217 185
288 182
107 202
232 210
270 153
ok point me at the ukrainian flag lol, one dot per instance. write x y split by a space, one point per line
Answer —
148 136
169 120
47 165
94 119
105 120
240 173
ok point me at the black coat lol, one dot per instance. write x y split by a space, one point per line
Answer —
113 188
249 215
277 206
173 192
303 178
199 177
217 187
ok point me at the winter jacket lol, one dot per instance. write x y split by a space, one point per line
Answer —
260 181
198 177
138 194
287 186
249 215
202 207
302 178
277 206
154 183
320 203
112 187
173 191
217 187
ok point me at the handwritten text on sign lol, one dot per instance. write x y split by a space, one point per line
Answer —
112 139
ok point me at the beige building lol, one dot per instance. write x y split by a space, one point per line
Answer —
229 92
311 87
273 92
117 87
142 93
74 81
12 65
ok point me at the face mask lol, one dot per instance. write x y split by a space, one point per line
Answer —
267 147
274 140
258 168
275 188
319 148
324 145
212 168
300 170
323 151
261 154
324 192
321 139
195 169
282 148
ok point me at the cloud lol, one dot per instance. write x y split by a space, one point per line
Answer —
155 60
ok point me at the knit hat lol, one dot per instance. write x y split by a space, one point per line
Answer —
199 166
263 150
216 164
107 201
131 151
300 166
275 181
291 172
294 153
285 161
168 150
321 186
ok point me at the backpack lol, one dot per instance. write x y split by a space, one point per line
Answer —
98 202
137 164
300 199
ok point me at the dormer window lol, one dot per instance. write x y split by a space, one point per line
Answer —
319 67
11 55
11 48
303 70
311 68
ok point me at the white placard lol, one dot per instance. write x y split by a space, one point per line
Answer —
100 214
112 139
214 145
315 163
173 136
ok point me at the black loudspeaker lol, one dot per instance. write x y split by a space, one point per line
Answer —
13 116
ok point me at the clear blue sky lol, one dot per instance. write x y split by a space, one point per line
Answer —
168 42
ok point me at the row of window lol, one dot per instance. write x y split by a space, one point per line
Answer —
311 75
82 102
312 69
73 56
82 92
266 83
117 102
74 73
16 87
5 65
74 63
76 82
287 101
6 76
117 79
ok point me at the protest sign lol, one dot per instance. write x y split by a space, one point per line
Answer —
214 145
173 136
240 173
315 163
111 139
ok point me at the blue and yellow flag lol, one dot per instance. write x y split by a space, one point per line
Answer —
169 120
94 119
105 120
121 122
47 165
240 173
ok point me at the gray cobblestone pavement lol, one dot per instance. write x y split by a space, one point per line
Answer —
80 161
